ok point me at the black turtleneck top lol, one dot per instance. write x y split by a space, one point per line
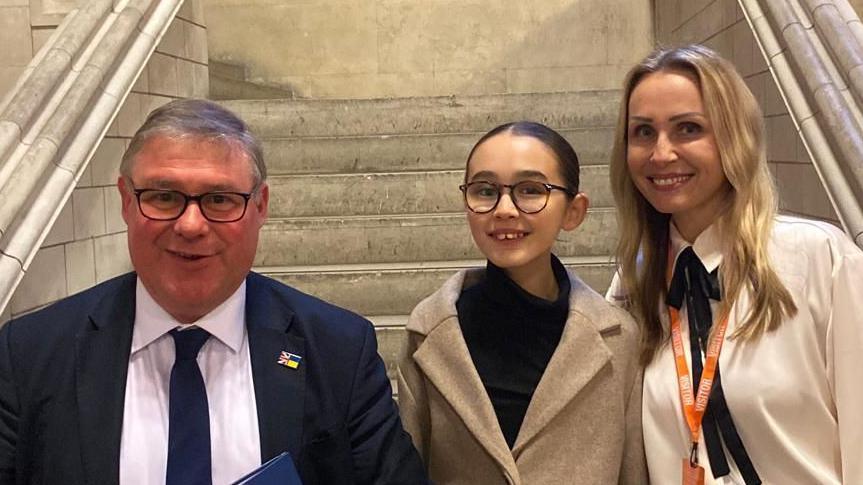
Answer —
511 336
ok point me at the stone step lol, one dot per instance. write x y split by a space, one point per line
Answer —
391 336
393 193
391 153
404 238
444 114
395 288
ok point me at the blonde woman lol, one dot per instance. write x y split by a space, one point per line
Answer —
770 306
519 373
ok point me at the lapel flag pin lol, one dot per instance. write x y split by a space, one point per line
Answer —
289 360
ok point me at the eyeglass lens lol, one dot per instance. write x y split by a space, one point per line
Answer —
528 196
170 204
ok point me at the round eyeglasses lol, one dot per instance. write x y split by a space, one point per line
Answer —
169 205
528 196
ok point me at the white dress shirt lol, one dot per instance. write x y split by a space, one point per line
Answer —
795 393
227 371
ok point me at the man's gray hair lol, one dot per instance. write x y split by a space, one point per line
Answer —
197 118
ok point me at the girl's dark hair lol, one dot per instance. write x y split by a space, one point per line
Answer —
566 156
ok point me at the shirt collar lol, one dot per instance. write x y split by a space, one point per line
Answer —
226 322
707 246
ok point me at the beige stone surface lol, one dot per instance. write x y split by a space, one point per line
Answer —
801 191
365 85
709 19
130 117
691 8
201 85
758 84
193 11
113 215
162 71
173 42
15 36
566 79
781 139
373 48
630 31
89 212
112 256
470 82
196 47
80 266
193 79
142 84
723 43
185 73
773 104
8 77
114 127
86 179
51 12
106 161
744 48
40 36
44 281
666 18
64 227
151 102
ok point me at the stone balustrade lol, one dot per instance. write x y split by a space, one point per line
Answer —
54 118
815 52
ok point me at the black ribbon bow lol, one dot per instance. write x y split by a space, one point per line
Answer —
692 281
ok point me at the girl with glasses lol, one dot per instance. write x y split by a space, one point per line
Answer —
751 321
518 373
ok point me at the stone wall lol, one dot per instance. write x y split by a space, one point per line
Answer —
87 244
721 25
400 48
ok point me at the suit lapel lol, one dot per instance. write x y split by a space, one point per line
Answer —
279 390
578 358
101 365
445 360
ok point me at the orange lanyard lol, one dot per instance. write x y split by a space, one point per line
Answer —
694 406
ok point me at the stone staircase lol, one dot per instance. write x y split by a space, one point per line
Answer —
365 210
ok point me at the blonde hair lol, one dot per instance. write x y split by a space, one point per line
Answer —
746 224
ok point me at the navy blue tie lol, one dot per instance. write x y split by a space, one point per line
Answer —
189 460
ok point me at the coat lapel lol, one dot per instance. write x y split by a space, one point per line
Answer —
102 361
279 390
445 360
579 356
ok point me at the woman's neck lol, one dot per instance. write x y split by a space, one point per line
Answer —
690 229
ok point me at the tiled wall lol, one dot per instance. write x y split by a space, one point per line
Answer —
87 244
720 25
383 48
16 39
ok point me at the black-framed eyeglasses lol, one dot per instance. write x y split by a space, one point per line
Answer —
169 205
528 196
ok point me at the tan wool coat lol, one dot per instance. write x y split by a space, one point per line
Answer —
583 424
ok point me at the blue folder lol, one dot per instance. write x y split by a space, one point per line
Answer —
278 471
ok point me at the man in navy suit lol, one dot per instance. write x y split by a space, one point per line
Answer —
102 387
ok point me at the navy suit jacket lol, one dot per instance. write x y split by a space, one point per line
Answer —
63 380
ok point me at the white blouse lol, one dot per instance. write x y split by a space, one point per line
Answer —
795 393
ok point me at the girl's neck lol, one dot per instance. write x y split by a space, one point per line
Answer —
538 280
